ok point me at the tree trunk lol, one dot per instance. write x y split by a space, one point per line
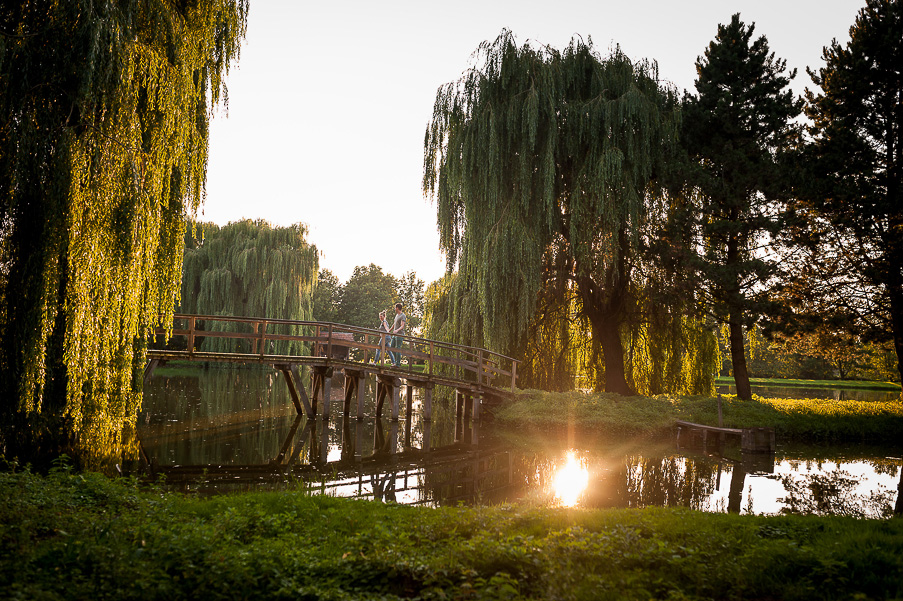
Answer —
735 303
896 318
604 317
607 331
738 359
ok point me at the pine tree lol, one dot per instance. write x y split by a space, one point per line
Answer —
853 189
735 129
104 110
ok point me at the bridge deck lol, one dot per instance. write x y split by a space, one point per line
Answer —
325 347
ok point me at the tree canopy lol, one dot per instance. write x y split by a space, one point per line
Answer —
367 292
249 269
104 111
736 128
851 189
546 169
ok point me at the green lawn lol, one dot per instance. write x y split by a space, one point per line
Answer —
850 384
84 536
798 419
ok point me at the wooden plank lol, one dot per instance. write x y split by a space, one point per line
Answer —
685 424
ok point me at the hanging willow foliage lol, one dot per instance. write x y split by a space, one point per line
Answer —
545 169
104 110
249 269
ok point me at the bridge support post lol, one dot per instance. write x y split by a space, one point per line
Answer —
320 376
477 405
408 401
296 389
354 387
387 386
428 403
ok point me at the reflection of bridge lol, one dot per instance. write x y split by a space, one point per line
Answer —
477 375
378 469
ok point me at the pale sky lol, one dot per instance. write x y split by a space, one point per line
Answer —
330 100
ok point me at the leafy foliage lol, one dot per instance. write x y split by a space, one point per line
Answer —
544 166
62 544
104 110
367 292
249 269
327 297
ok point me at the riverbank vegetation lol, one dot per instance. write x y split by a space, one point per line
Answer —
78 536
834 384
797 419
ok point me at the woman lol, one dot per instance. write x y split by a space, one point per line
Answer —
383 341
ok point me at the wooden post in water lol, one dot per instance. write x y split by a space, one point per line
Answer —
408 400
361 386
428 402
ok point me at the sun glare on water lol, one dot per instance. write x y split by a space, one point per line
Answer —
570 481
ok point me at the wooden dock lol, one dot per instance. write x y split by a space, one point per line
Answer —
752 440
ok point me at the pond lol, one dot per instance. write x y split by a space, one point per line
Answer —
222 430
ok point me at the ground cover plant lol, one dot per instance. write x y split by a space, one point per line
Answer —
788 383
74 535
797 419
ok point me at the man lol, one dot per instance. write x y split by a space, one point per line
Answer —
397 332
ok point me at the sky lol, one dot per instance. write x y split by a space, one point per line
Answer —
330 100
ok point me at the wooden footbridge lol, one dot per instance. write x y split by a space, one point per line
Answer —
477 375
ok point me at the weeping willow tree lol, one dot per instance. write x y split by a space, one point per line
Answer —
249 269
104 111
546 170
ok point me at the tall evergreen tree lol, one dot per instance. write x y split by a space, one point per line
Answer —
249 269
104 110
534 149
853 191
735 129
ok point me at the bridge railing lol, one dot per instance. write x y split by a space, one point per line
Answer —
221 337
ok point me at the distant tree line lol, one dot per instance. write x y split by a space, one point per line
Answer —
606 230
368 291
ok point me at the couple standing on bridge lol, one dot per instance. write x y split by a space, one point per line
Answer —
397 329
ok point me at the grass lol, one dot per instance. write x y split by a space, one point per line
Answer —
782 382
83 536
798 419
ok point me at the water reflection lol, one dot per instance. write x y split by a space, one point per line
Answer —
215 431
570 480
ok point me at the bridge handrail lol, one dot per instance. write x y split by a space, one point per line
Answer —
482 363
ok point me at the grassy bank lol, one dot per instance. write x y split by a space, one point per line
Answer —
846 384
799 419
83 536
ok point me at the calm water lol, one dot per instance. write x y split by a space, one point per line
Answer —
223 430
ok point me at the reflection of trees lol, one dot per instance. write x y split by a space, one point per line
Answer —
833 493
215 416
666 482
476 477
